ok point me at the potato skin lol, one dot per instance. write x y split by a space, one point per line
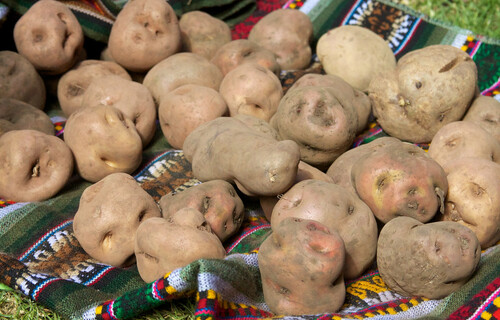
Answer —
485 111
429 88
16 114
34 166
428 260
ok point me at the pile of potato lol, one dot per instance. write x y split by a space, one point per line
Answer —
334 210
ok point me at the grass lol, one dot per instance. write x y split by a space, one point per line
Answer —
480 16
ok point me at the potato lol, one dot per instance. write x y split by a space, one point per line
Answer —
180 69
19 80
321 120
34 166
354 53
428 260
108 215
103 141
485 111
251 89
73 84
400 179
217 200
225 148
287 33
186 108
49 36
429 88
202 33
162 246
461 139
240 51
473 198
133 99
17 115
144 33
361 102
338 209
301 268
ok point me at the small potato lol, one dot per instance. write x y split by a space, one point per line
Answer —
34 166
287 33
180 69
73 84
161 246
18 115
131 98
217 200
354 53
461 139
49 36
103 141
473 198
251 89
186 108
202 33
429 260
485 111
301 266
240 51
108 215
144 33
429 88
20 80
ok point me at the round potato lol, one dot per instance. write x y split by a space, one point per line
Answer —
18 115
354 53
49 36
20 80
34 166
144 33
485 111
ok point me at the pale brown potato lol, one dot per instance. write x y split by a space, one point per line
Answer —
180 69
20 80
144 33
17 115
227 149
217 200
49 36
354 53
287 33
164 245
187 107
429 88
473 198
429 260
461 139
251 89
240 51
34 166
131 98
202 33
338 209
301 268
485 111
103 141
73 84
108 215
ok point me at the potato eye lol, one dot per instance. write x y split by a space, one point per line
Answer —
437 247
205 204
418 84
142 214
247 53
232 193
106 239
350 210
35 172
284 291
225 226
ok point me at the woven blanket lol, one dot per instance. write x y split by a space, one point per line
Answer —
41 258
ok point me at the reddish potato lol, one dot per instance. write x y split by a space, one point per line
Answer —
109 213
485 111
34 166
18 115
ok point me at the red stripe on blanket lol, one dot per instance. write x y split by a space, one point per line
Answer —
474 304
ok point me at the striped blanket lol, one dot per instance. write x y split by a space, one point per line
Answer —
41 258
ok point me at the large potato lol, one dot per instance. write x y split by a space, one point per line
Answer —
18 115
34 166
144 33
20 80
429 88
354 53
485 111
49 36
